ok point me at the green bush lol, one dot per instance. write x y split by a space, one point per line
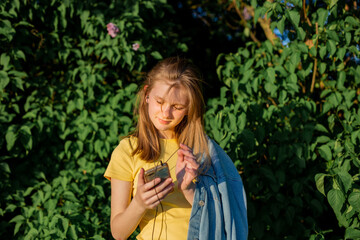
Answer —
67 92
287 114
289 117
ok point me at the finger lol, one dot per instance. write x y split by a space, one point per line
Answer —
162 185
186 153
191 162
191 172
152 184
141 180
185 147
180 156
161 194
148 190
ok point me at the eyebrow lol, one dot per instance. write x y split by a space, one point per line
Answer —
180 104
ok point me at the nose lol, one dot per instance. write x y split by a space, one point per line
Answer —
166 110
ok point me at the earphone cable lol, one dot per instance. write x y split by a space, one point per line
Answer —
162 208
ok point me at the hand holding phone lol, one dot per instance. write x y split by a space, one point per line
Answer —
160 171
150 193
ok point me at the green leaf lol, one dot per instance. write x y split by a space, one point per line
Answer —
322 51
248 64
322 16
18 218
323 139
341 53
17 227
333 35
270 74
322 67
259 12
4 61
313 51
31 234
333 3
72 232
65 224
156 55
336 199
341 81
348 38
325 152
4 167
128 58
281 25
67 146
10 139
319 127
70 196
20 54
295 18
319 179
301 34
354 200
70 106
346 179
352 233
19 83
351 20
331 47
4 80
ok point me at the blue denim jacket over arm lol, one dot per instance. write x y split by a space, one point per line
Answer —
219 205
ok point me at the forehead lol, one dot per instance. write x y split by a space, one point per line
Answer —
165 90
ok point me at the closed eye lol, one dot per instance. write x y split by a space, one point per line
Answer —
178 107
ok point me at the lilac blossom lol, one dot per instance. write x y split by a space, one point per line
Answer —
135 46
246 14
112 29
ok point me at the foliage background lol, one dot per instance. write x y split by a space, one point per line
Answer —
286 112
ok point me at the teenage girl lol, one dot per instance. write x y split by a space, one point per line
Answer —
170 130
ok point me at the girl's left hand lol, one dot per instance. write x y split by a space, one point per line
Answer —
186 168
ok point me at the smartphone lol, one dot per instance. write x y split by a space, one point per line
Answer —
160 171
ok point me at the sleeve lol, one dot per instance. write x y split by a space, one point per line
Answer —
121 162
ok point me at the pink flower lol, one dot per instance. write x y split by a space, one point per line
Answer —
135 46
112 29
246 14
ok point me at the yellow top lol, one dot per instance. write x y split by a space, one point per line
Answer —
173 219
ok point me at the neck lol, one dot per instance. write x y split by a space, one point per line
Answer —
167 135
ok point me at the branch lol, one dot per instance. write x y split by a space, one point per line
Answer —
315 61
305 14
264 23
272 101
244 22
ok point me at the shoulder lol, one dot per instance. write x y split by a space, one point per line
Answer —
126 145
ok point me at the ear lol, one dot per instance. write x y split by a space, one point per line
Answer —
146 93
146 88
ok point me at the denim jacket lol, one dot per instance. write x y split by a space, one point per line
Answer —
219 205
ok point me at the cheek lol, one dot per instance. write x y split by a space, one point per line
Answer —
180 116
153 108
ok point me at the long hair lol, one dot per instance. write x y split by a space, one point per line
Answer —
190 131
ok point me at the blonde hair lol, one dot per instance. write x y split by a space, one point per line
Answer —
190 131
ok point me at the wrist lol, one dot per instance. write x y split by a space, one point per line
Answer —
138 206
189 189
189 192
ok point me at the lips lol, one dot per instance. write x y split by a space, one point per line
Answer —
163 121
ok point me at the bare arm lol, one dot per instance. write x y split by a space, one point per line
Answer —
126 213
186 172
